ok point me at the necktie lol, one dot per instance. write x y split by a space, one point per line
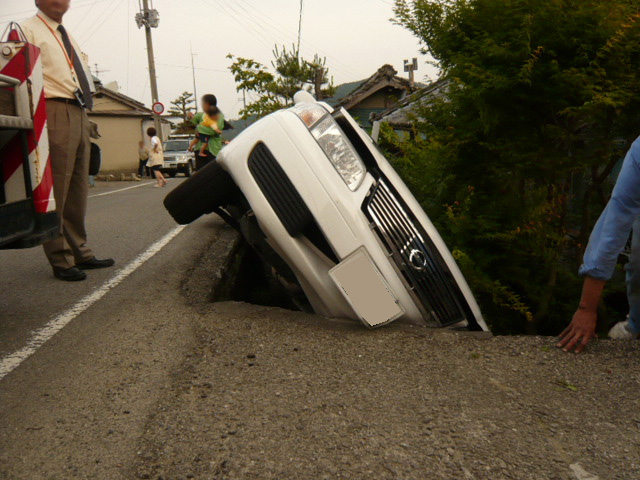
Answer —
77 66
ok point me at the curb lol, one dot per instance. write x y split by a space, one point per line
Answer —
204 281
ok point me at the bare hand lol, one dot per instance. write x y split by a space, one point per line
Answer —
190 115
190 149
581 329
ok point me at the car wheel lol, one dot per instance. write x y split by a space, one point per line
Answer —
189 170
206 190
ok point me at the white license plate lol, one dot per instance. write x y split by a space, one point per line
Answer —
366 290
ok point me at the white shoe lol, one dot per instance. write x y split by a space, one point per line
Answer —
622 331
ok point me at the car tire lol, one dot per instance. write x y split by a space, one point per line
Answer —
173 174
206 190
189 170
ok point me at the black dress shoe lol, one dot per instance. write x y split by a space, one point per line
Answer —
72 274
95 263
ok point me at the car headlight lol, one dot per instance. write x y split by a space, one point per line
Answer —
309 113
340 151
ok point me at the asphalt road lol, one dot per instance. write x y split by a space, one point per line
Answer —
123 220
96 366
151 381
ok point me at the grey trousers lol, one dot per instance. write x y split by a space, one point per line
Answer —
70 148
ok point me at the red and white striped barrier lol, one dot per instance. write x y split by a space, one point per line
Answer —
21 60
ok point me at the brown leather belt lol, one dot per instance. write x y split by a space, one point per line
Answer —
68 101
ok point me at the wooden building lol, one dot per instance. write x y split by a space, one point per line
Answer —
122 123
380 92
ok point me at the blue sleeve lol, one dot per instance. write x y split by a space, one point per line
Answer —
612 230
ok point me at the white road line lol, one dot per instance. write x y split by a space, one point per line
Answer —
42 335
121 189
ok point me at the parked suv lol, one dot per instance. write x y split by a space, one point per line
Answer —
177 158
310 190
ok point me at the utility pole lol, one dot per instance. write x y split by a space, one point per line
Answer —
149 18
318 80
411 68
193 72
300 25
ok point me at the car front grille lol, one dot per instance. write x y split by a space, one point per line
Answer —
416 257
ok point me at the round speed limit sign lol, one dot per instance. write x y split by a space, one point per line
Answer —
158 108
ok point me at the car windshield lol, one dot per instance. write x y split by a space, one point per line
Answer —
176 146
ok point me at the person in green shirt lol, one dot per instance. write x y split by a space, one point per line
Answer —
215 141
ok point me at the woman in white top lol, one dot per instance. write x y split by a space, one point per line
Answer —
156 157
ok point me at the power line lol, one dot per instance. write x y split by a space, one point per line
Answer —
98 22
260 25
275 29
76 5
265 37
275 34
12 16
281 30
238 20
84 17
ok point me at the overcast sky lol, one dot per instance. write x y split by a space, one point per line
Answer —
356 36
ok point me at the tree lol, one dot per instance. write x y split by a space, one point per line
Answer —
181 107
513 162
276 90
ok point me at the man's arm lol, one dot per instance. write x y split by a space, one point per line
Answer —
583 325
607 240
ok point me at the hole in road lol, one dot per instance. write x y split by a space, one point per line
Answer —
249 279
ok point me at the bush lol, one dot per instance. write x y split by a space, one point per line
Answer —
513 163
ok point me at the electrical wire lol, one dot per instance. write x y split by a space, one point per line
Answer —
271 35
221 6
76 4
262 26
84 17
240 17
337 64
90 28
12 16
99 26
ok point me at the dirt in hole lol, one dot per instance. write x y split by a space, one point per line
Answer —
249 279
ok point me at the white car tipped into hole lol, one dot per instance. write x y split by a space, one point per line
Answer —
310 190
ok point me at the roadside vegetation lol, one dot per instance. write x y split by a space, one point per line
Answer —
269 89
181 107
516 161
